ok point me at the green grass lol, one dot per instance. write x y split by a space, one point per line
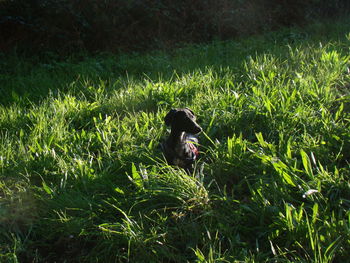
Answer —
82 178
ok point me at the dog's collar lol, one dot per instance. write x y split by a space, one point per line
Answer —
193 148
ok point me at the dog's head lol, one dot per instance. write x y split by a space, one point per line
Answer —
182 120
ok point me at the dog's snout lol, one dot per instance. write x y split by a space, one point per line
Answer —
197 129
194 128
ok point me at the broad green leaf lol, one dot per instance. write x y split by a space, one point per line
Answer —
136 177
306 162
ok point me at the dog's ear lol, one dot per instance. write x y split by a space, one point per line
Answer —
189 110
170 117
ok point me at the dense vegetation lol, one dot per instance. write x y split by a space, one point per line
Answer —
82 178
69 25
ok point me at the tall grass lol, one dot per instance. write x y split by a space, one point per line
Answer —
82 178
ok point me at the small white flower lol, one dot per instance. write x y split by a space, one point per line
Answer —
309 192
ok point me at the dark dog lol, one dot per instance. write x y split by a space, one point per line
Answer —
180 147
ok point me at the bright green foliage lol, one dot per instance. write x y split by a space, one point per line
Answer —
82 178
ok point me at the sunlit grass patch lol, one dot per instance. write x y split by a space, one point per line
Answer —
81 170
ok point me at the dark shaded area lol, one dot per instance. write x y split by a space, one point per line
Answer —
65 26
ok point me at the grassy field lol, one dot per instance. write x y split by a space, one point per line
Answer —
82 178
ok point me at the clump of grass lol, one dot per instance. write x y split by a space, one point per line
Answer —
82 176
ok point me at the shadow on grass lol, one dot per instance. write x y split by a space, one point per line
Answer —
32 79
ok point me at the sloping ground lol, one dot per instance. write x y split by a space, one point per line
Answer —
82 178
